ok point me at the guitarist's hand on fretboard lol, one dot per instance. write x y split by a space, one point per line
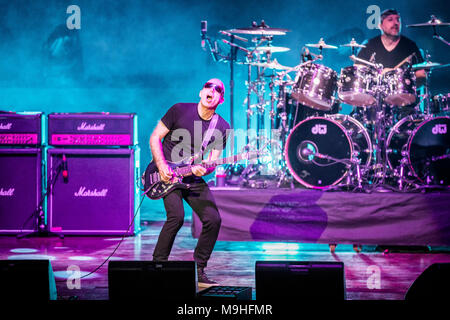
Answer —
199 171
166 172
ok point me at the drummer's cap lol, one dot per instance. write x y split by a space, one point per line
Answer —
388 12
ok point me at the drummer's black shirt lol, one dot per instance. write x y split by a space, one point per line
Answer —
389 59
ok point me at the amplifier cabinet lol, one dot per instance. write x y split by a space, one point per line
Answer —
98 195
20 189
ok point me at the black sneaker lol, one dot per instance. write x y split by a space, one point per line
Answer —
203 280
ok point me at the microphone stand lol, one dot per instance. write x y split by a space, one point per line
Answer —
42 228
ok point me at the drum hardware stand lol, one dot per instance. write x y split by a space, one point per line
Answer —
427 96
232 57
401 179
435 34
286 178
433 22
353 167
379 132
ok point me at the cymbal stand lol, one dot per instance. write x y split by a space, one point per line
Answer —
252 86
261 104
436 35
249 91
427 96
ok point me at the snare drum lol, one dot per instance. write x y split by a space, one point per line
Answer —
400 87
355 86
316 86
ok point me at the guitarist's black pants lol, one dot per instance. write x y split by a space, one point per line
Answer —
201 200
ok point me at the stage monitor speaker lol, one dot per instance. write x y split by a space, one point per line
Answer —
20 189
23 280
93 191
299 280
151 280
432 284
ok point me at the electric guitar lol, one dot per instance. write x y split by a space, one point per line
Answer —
155 188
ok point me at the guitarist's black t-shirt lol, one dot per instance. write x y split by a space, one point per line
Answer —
187 129
390 59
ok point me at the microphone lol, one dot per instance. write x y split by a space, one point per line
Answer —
65 172
307 152
306 55
203 30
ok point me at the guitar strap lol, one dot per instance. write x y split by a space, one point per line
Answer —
208 135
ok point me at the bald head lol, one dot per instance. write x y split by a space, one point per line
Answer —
212 93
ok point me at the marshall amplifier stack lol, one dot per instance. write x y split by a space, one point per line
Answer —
21 170
92 169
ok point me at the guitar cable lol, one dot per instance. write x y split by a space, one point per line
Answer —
117 246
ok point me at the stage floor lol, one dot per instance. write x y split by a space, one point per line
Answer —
369 275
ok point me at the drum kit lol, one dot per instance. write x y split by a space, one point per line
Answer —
375 147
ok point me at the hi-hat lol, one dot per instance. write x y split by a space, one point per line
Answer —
353 44
428 65
271 49
321 45
272 65
431 23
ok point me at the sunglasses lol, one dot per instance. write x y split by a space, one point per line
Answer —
216 87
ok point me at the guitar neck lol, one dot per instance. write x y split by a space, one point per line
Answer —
186 170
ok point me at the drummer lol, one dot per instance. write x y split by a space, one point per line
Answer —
390 48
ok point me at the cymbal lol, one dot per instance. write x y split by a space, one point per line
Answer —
321 45
431 23
429 65
260 31
271 49
272 65
353 44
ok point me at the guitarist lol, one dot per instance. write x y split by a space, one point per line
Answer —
174 138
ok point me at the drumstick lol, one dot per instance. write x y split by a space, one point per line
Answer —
404 60
398 65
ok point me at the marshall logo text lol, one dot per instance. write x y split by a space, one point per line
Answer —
7 126
94 127
90 193
7 193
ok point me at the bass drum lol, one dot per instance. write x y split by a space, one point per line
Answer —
424 144
312 140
